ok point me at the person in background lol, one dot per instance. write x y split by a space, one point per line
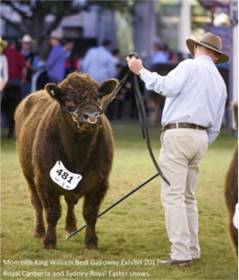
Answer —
115 109
192 117
12 92
116 55
16 64
172 56
70 59
155 103
99 62
3 73
55 63
32 62
159 55
3 66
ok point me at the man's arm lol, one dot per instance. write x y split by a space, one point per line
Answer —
169 85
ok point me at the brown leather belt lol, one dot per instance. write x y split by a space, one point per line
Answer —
183 125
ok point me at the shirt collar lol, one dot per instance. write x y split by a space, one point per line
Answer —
204 57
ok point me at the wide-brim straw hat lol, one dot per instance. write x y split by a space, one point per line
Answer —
3 43
209 41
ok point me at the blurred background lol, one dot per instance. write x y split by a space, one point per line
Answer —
157 30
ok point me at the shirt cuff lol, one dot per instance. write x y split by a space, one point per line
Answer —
152 80
143 72
146 76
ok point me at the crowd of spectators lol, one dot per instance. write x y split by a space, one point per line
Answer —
22 71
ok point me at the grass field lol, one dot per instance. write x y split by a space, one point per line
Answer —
132 237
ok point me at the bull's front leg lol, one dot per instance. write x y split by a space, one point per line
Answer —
52 209
90 211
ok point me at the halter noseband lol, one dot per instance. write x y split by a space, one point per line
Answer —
75 114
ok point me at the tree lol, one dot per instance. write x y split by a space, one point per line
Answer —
33 13
123 6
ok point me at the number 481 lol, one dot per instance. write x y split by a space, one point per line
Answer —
64 175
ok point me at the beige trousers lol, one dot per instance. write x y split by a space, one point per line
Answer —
180 154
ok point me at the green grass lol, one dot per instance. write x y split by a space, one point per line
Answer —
134 230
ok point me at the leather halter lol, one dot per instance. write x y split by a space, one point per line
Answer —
74 116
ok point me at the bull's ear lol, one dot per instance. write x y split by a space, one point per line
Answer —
55 92
107 87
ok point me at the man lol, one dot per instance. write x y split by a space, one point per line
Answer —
99 62
32 62
56 59
195 99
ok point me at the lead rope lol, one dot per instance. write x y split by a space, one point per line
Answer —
116 203
116 91
144 126
145 133
141 114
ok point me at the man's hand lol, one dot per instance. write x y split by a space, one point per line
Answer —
135 64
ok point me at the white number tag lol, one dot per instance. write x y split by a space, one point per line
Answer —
63 177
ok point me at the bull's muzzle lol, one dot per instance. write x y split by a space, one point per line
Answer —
92 117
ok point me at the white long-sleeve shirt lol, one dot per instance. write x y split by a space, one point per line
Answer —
195 93
100 64
3 71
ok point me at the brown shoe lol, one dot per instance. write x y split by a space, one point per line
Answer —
170 261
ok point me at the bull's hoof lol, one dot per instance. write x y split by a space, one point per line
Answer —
49 245
91 243
70 230
39 232
91 246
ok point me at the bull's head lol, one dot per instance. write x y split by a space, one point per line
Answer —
82 99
